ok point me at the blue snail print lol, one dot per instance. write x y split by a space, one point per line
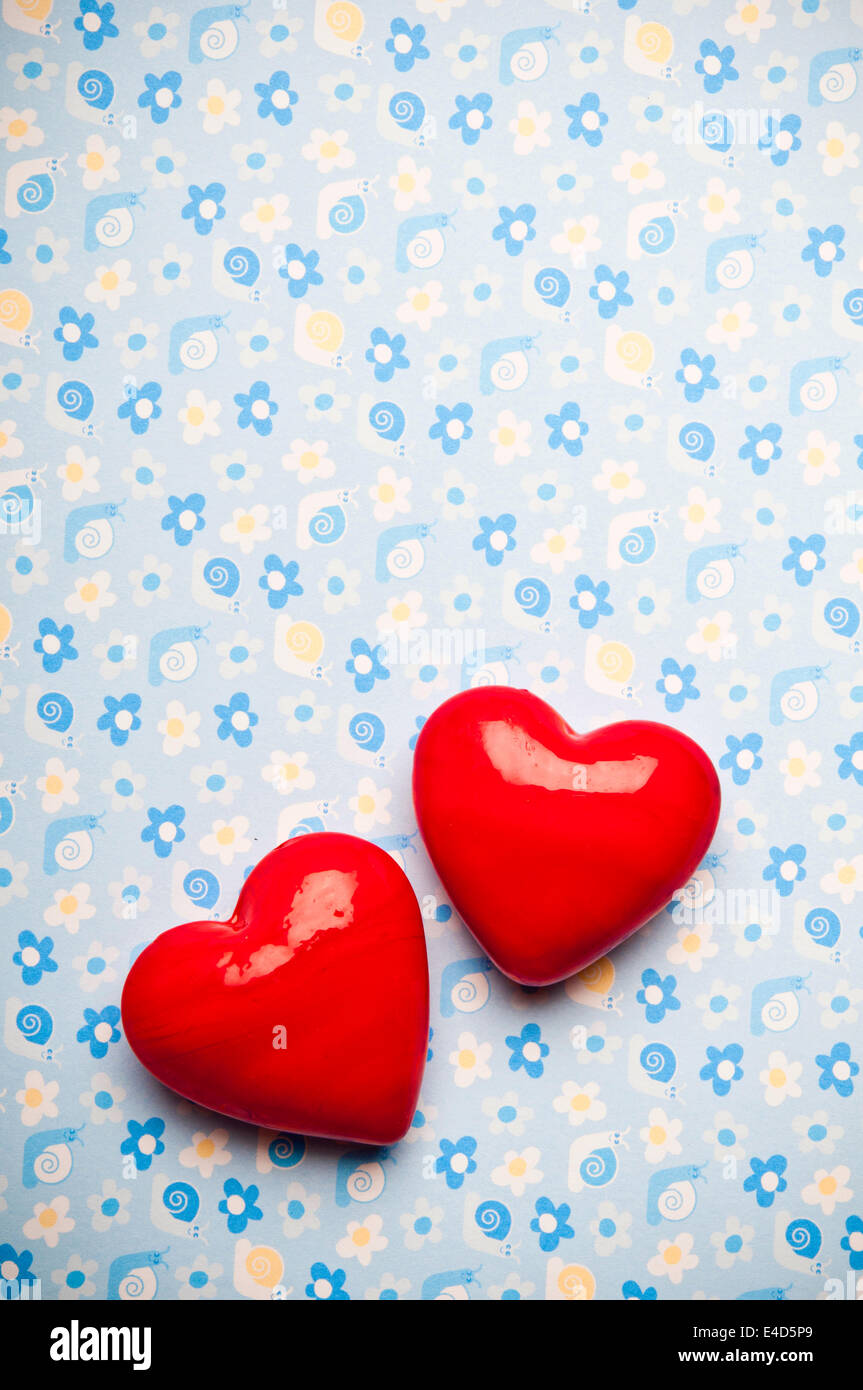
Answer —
214 32
194 343
174 653
488 1226
490 666
181 1203
31 1031
731 262
451 1285
420 241
48 1156
804 1239
710 572
794 694
286 1151
360 1175
823 927
135 1278
833 75
504 363
69 843
401 552
395 846
775 1004
90 531
96 91
9 788
76 401
202 888
464 986
658 1061
109 220
814 384
524 53
672 1194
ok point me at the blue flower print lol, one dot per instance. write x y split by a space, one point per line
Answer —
515 227
54 644
256 408
33 957
785 868
239 1204
780 138
185 516
852 1241
5 256
387 354
527 1050
495 537
766 1179
657 995
633 1292
75 333
204 207
140 406
327 1285
858 444
120 718
165 829
161 95
677 684
850 757
451 426
610 292
695 374
742 757
300 270
471 116
16 1265
406 44
805 557
94 24
837 1070
236 719
825 248
277 97
716 66
589 601
456 1160
567 429
100 1030
365 665
722 1067
551 1223
144 1142
279 581
586 120
761 447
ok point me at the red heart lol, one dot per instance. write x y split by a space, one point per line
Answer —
553 846
326 942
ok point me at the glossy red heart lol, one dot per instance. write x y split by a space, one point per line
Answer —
326 943
554 846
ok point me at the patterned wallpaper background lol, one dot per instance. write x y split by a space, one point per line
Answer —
350 356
